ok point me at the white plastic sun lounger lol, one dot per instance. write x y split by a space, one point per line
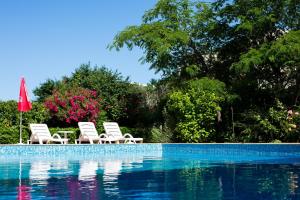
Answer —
88 133
41 134
113 129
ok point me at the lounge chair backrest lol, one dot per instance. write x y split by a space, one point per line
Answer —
88 129
112 128
40 131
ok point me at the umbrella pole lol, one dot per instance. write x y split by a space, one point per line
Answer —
20 128
20 174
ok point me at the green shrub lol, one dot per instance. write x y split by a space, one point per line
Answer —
191 112
276 141
160 135
10 116
11 135
268 125
10 120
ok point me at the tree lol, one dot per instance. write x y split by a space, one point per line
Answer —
248 45
273 69
186 39
109 85
173 36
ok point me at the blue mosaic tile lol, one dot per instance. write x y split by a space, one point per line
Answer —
202 151
234 152
13 151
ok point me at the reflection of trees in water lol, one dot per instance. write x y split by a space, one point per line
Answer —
272 182
241 182
216 182
199 182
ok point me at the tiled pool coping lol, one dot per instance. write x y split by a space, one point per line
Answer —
101 149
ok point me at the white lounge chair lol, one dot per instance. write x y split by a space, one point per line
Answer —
113 129
88 133
41 134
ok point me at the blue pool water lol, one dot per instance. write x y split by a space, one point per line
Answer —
150 171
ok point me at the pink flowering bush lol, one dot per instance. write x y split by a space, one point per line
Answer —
72 106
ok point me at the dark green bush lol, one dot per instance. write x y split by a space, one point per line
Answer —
10 116
269 125
11 135
159 135
192 111
10 121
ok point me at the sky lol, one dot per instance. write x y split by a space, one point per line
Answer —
49 39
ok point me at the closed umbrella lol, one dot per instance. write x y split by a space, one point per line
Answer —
24 104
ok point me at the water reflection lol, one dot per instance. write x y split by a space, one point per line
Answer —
23 189
111 172
87 170
137 177
23 192
39 172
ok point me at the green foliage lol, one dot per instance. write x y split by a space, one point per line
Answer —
252 46
10 121
173 37
193 112
109 85
141 105
274 67
268 126
10 116
46 89
161 135
11 135
213 86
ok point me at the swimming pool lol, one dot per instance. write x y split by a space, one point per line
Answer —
150 171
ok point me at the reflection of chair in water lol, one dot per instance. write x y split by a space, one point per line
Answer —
59 165
133 162
112 169
39 171
87 171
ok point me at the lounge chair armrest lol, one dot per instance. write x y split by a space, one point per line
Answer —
103 135
126 135
55 135
129 141
107 135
